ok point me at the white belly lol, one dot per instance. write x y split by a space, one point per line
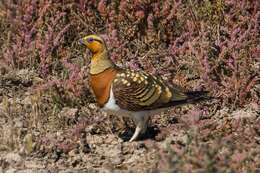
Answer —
111 104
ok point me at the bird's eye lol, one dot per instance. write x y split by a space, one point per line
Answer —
90 40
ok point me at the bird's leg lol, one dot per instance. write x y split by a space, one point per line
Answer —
146 118
141 126
138 129
139 122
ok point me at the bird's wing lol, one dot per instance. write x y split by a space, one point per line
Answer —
137 91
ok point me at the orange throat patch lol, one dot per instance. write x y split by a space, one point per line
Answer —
101 85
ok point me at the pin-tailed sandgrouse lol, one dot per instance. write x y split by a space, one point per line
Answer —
125 92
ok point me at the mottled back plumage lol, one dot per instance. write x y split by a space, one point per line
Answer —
137 91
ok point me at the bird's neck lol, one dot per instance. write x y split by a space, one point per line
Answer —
100 62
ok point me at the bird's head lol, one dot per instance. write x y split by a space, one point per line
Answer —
94 43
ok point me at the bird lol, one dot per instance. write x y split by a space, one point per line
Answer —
131 93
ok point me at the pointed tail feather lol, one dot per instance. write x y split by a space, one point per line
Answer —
196 96
193 97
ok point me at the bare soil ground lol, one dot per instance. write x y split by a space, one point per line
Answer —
38 136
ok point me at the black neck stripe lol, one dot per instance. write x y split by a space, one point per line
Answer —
98 40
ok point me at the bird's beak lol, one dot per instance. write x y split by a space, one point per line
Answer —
81 42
